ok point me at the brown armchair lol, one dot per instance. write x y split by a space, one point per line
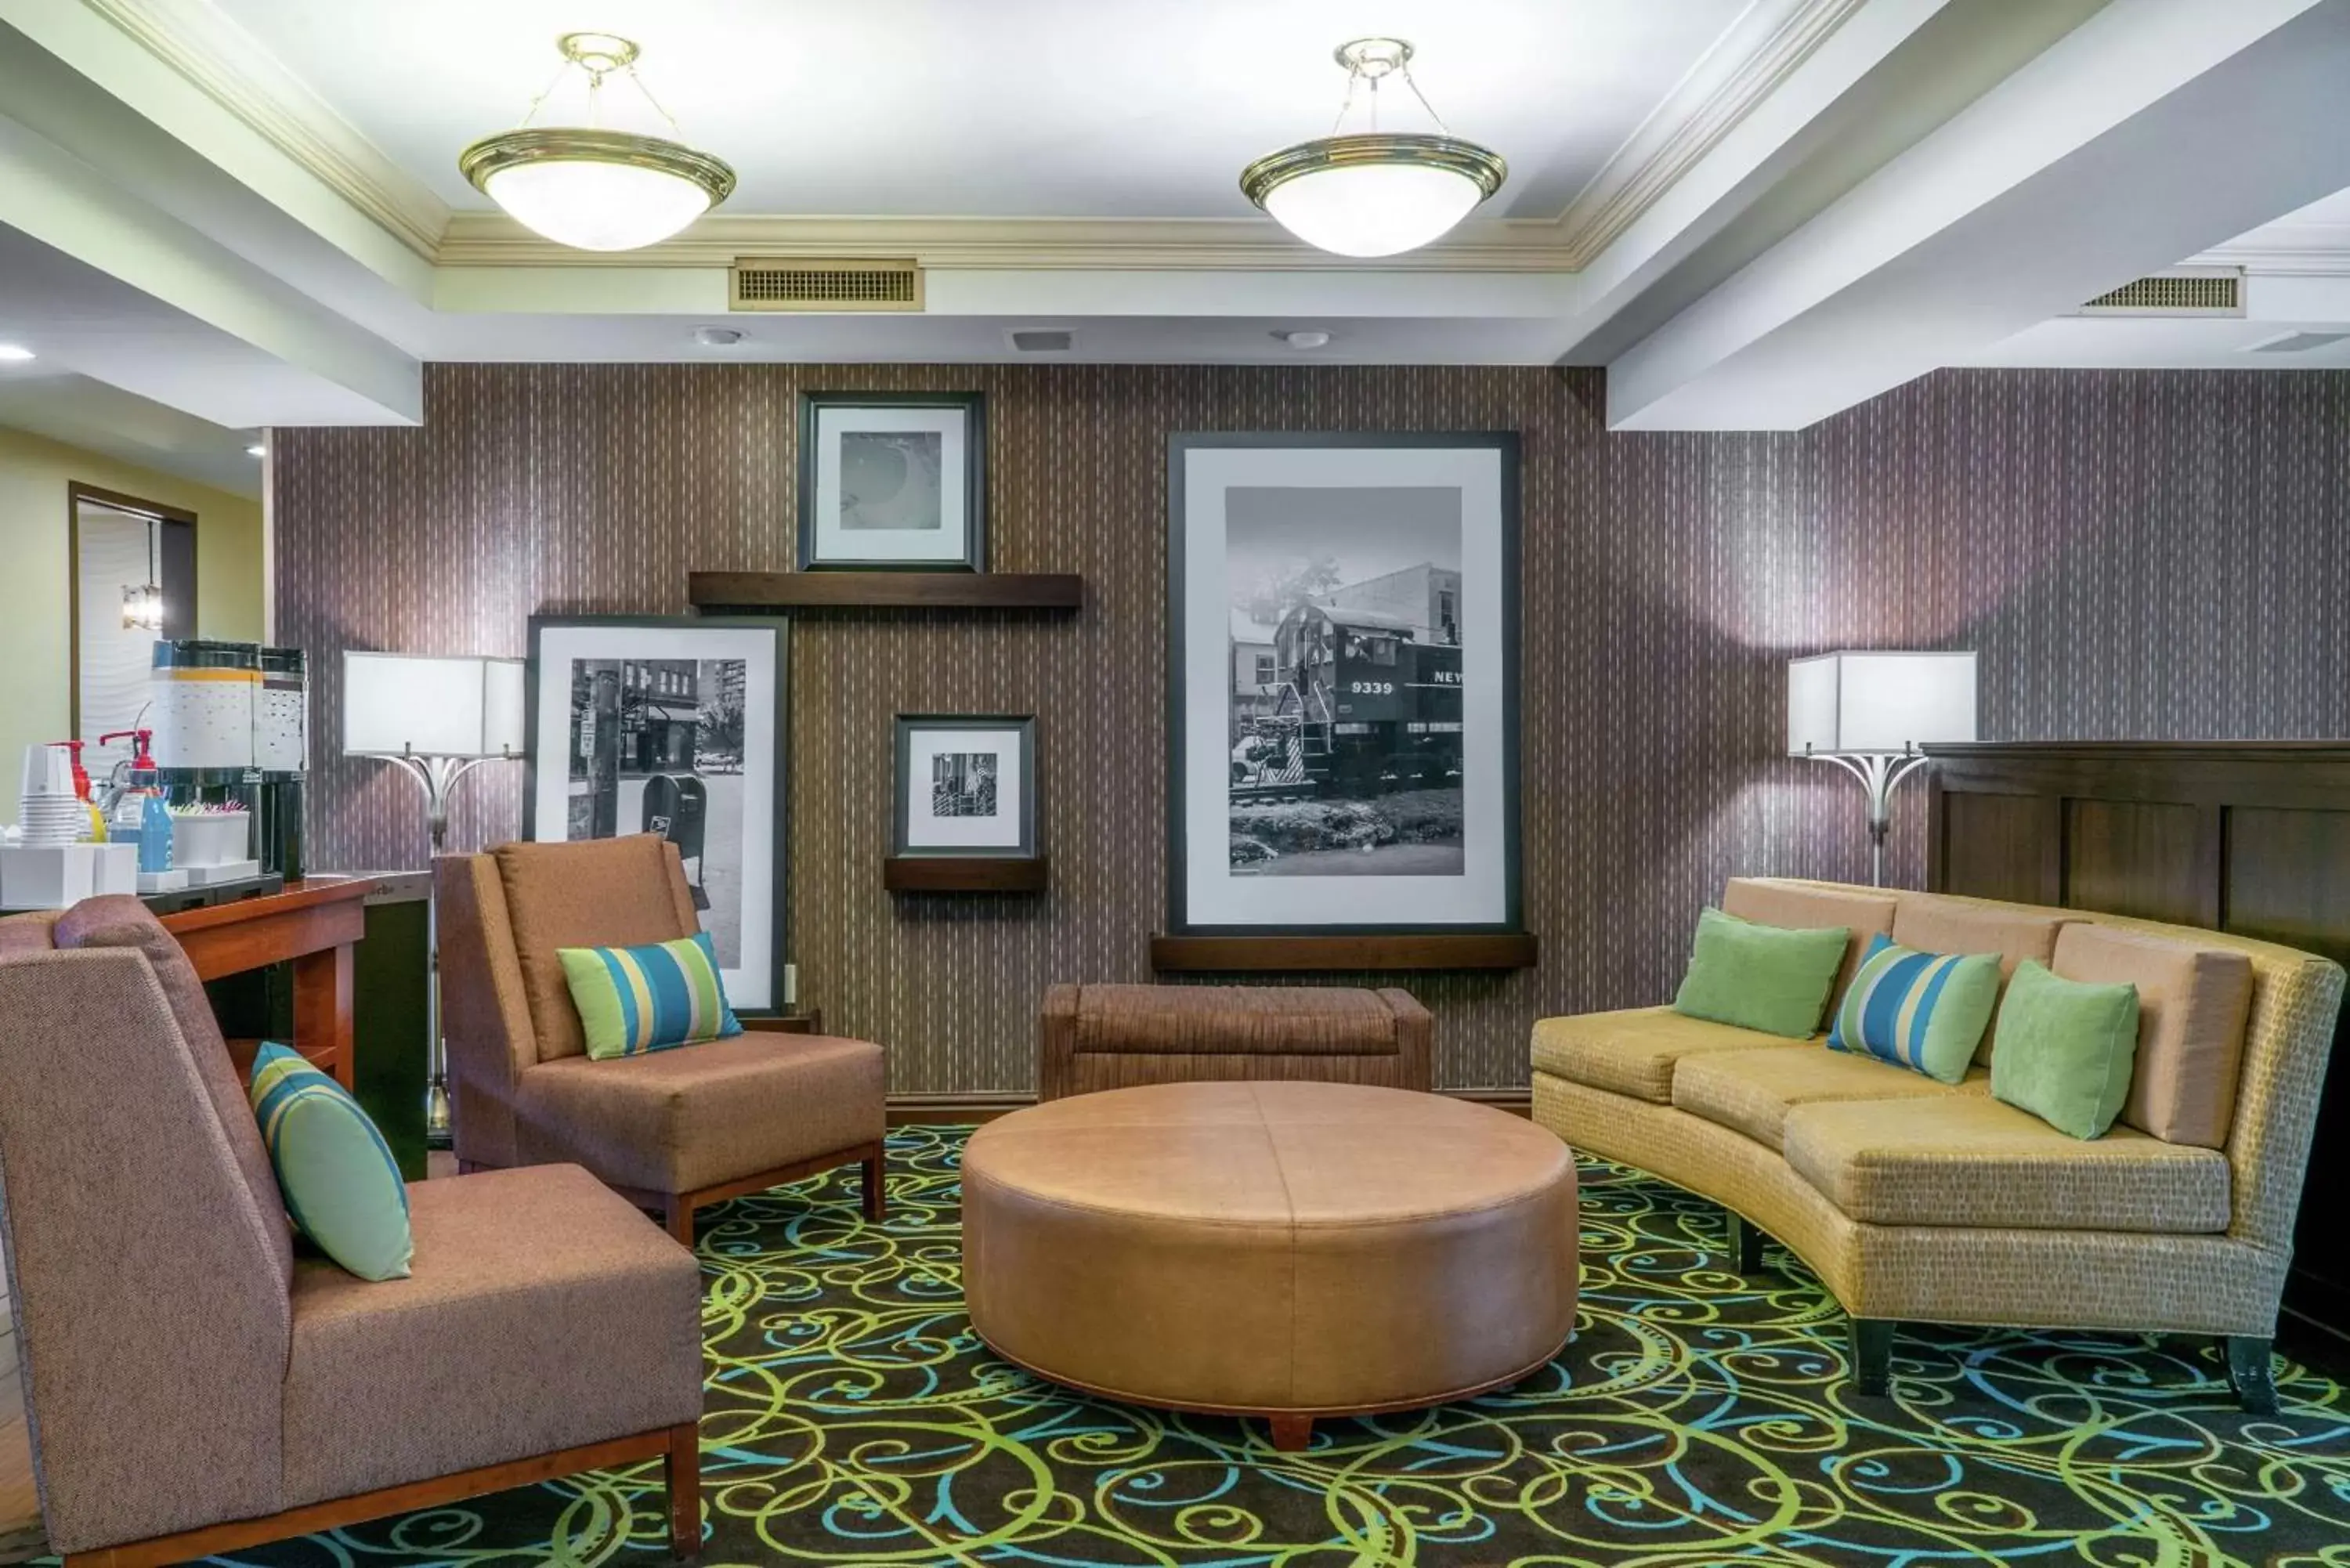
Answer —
672 1131
194 1388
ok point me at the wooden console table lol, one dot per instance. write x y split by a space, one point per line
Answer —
313 925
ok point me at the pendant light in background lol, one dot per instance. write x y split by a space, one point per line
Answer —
142 603
1372 193
593 186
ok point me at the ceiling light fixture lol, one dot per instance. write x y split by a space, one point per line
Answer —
1304 338
718 337
590 187
256 451
15 353
1374 192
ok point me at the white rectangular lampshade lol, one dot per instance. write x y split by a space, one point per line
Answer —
1879 702
433 707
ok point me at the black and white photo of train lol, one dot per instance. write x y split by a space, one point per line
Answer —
1346 655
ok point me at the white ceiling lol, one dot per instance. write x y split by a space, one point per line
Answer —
1011 107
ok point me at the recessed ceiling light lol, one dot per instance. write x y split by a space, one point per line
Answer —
256 451
1303 338
718 337
14 352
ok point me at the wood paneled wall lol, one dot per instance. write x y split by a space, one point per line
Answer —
2143 555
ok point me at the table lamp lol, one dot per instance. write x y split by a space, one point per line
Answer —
438 718
1870 712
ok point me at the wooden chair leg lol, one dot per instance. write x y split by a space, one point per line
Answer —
1291 1433
2249 1374
876 1187
1872 1354
683 1469
1746 1244
679 1218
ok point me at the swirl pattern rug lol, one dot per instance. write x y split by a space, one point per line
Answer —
1698 1418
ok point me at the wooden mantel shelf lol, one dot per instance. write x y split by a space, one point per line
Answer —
720 591
1433 950
964 874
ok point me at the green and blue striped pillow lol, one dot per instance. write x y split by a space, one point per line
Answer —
1924 1011
341 1182
652 998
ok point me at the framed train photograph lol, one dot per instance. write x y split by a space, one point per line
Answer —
1343 620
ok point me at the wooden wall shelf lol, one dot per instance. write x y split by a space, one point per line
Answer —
1436 951
723 591
963 874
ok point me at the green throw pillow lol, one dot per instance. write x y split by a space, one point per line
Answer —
1761 977
340 1181
1926 1011
2064 1049
635 1000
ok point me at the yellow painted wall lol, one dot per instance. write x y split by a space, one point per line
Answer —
36 591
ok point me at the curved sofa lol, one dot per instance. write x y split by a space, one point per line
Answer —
1914 1200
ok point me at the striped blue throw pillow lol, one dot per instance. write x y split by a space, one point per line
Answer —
635 1000
1924 1011
339 1180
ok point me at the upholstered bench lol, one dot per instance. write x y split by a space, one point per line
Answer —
1095 1037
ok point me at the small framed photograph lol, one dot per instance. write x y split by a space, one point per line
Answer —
893 480
966 786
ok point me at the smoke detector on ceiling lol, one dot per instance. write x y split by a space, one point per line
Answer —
1043 341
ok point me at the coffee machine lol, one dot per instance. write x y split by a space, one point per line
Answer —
232 726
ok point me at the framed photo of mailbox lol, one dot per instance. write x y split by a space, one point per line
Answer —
674 726
966 786
1344 670
893 480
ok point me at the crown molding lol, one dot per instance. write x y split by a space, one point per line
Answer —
480 239
1766 46
2286 249
221 60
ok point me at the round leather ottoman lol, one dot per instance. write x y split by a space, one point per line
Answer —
1283 1249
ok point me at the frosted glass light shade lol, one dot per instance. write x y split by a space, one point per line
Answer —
1861 702
596 206
1373 209
396 703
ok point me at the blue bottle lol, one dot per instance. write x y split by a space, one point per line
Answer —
154 834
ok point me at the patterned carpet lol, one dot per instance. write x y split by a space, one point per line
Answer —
1699 1418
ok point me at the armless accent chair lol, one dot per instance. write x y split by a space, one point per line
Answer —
194 1388
671 1131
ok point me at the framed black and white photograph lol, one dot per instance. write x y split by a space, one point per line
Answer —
966 786
893 480
674 726
1343 631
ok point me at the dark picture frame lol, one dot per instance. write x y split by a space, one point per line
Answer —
664 743
973 409
1021 728
1505 913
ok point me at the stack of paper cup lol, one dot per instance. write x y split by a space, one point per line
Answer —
48 810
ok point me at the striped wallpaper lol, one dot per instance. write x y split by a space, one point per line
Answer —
2154 555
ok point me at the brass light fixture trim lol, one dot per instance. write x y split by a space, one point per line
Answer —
599 55
1371 60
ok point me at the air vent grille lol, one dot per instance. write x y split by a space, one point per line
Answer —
824 283
2174 293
